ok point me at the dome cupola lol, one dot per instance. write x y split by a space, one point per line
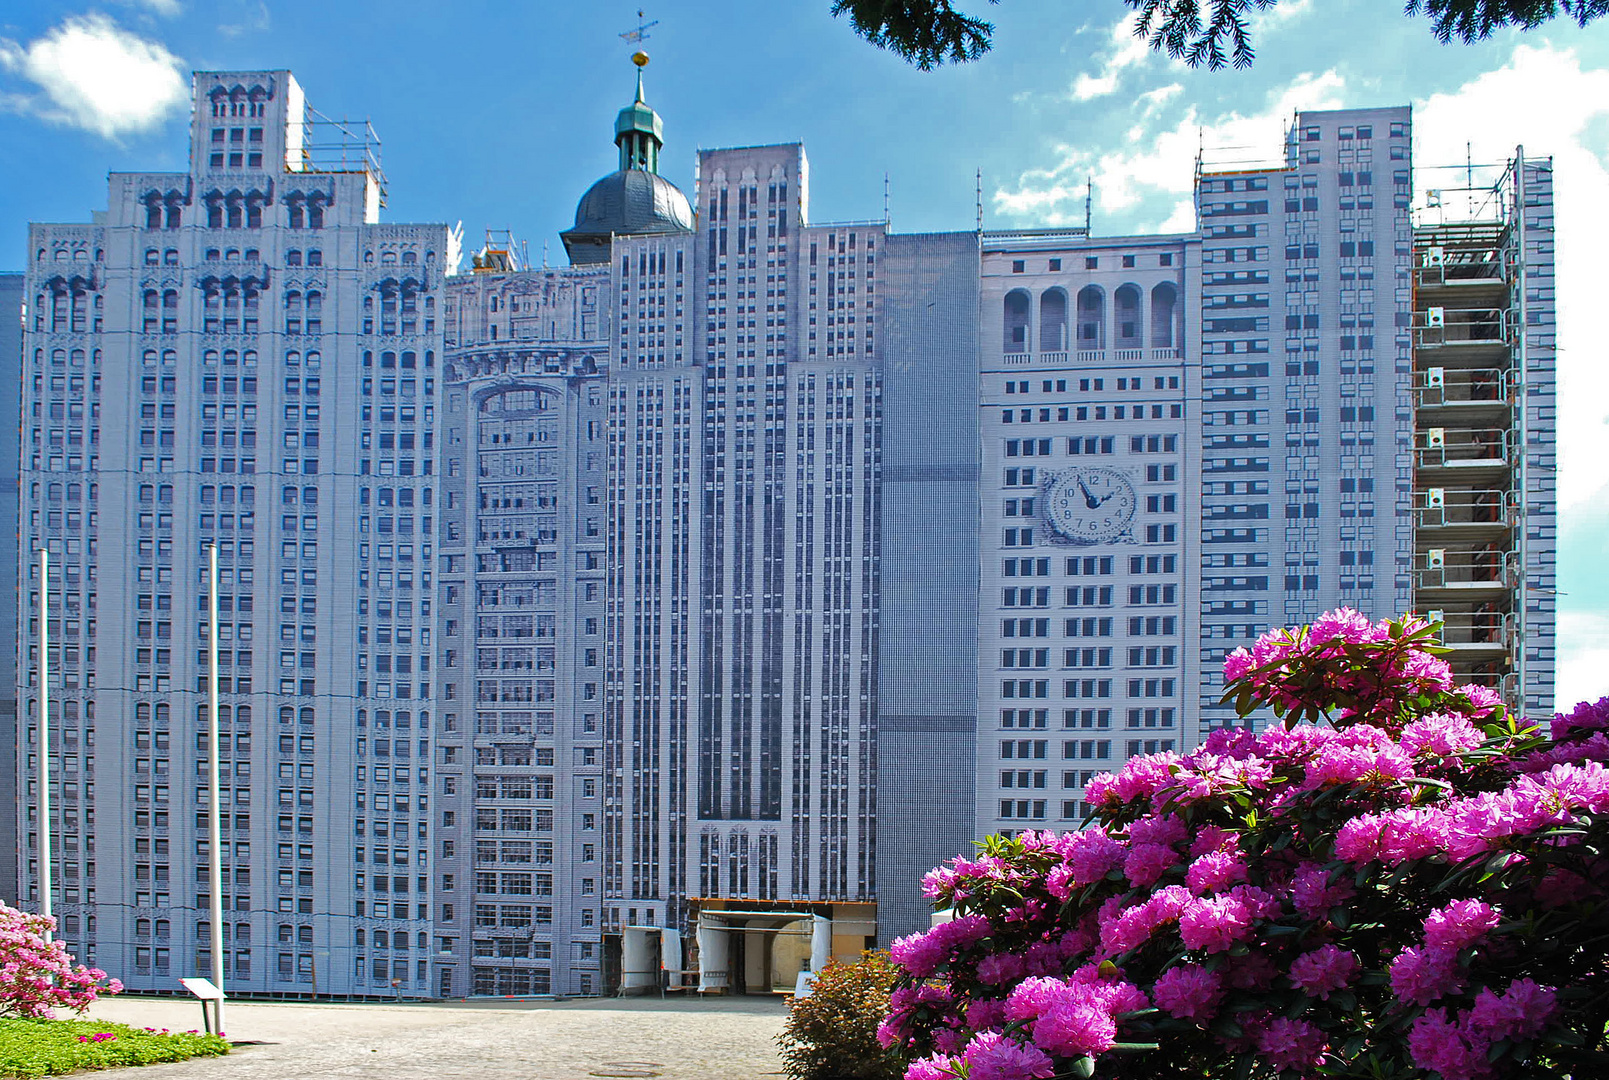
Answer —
634 199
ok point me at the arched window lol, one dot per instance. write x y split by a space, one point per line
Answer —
1126 316
172 221
1053 320
1016 310
1164 316
150 256
214 213
293 211
315 213
234 211
170 257
293 312
315 311
211 310
152 314
1091 318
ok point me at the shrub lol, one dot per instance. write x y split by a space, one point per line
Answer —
833 1032
37 976
30 1048
1415 888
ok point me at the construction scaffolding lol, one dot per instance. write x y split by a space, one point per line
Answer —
339 146
1483 529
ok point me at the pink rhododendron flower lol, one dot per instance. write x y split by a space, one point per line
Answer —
1520 1012
1213 871
1165 829
998 969
1091 855
1441 1045
1440 735
1148 862
1190 992
1075 1027
1214 924
923 954
1347 625
1423 976
1312 894
1268 855
992 1056
1588 716
1293 1044
1460 924
1324 970
936 1067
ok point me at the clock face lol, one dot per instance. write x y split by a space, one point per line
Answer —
1091 505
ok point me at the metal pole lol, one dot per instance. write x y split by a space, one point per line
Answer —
214 819
1521 392
44 739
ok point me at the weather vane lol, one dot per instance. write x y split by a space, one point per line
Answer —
639 35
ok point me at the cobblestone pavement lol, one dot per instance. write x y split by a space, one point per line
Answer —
638 1038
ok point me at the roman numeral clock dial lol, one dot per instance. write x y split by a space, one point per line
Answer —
1091 505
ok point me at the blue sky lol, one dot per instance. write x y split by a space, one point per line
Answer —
500 115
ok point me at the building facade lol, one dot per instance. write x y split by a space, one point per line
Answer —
667 615
12 305
239 356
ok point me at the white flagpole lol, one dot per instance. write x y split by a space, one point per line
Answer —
44 739
215 824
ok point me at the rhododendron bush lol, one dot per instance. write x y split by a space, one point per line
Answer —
38 976
1411 886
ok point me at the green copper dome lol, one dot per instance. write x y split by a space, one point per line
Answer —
634 199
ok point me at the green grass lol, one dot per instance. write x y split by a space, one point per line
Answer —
30 1048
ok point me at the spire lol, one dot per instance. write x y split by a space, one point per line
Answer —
638 130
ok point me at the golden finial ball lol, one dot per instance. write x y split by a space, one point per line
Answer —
639 58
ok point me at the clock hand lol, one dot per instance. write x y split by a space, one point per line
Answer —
1089 500
1105 498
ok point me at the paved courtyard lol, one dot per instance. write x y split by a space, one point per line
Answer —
638 1038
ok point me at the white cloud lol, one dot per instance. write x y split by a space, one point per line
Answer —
252 17
1583 658
1544 100
1125 51
1163 163
93 75
1272 19
166 8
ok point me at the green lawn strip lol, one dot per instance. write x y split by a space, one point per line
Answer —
30 1048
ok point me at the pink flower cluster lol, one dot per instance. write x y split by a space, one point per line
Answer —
1314 667
923 954
1257 897
1457 1044
1479 823
38 976
99 1036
